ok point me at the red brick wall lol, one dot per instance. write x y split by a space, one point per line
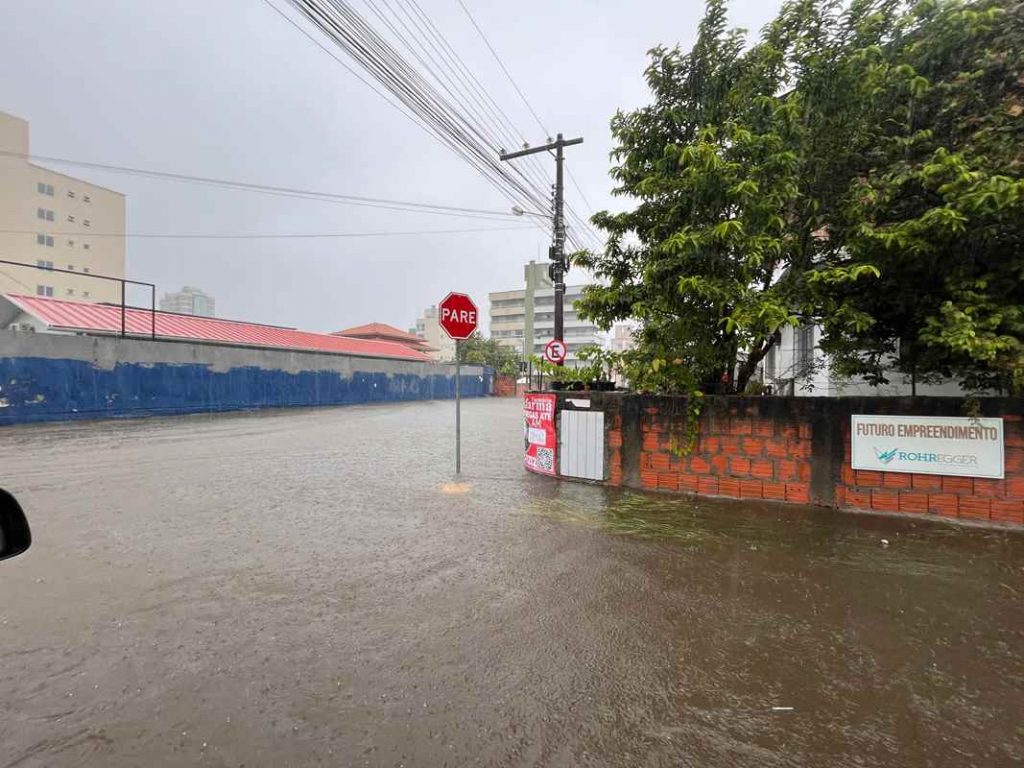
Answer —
742 457
505 386
754 450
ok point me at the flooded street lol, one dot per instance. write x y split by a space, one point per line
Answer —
305 588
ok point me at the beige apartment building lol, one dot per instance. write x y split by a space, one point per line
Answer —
56 221
524 318
429 329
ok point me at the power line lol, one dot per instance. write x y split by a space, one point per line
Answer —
460 117
417 120
447 69
584 225
258 236
371 202
504 69
340 22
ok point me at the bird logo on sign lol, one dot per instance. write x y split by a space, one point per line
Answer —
554 352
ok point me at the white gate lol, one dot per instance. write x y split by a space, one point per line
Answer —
581 444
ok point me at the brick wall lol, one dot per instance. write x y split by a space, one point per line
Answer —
797 450
505 386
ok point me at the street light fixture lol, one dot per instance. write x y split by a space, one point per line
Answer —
517 211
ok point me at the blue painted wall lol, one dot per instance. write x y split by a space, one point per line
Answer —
34 389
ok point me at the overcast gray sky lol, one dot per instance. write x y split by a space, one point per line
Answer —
226 88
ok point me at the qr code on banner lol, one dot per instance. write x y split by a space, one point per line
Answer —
545 459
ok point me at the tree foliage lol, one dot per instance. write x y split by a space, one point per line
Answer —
857 167
477 350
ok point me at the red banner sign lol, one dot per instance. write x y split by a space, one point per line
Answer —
540 433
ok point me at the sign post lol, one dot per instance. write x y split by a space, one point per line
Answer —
458 318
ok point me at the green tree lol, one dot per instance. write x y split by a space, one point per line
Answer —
477 350
939 206
803 179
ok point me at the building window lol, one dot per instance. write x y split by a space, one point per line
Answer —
44 290
804 349
71 193
86 198
44 264
85 222
46 240
85 294
86 270
71 267
71 243
86 246
71 219
44 189
44 213
71 291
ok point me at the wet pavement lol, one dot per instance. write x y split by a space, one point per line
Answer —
305 588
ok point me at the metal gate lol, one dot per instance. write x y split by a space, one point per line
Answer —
581 444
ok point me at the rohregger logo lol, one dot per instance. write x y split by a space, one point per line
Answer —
964 459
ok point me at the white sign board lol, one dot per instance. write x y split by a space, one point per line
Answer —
536 436
930 445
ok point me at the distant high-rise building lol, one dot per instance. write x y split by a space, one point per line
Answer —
428 329
524 318
189 301
55 221
622 337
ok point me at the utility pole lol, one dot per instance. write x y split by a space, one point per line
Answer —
556 253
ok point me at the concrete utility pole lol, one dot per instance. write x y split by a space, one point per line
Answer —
556 253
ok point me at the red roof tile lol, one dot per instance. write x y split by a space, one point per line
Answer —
379 331
105 319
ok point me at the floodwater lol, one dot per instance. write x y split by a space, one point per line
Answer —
303 588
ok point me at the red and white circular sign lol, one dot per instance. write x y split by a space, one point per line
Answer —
554 352
458 316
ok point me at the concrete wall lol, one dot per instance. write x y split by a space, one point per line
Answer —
797 450
49 377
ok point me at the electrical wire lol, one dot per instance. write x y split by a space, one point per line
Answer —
581 223
442 94
504 69
460 131
259 236
418 34
372 202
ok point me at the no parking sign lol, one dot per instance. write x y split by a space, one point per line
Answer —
555 351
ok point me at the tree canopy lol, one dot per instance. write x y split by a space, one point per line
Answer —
858 167
483 351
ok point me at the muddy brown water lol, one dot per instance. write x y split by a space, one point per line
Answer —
302 588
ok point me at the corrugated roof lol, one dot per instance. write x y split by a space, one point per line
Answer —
84 317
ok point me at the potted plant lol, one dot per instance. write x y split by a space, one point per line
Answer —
597 372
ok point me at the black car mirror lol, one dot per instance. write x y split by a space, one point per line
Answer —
15 536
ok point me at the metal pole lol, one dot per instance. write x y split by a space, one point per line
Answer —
557 253
559 265
122 308
152 312
458 409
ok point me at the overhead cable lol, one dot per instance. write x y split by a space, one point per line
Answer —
261 236
373 202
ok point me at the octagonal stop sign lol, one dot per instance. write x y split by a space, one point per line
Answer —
458 315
